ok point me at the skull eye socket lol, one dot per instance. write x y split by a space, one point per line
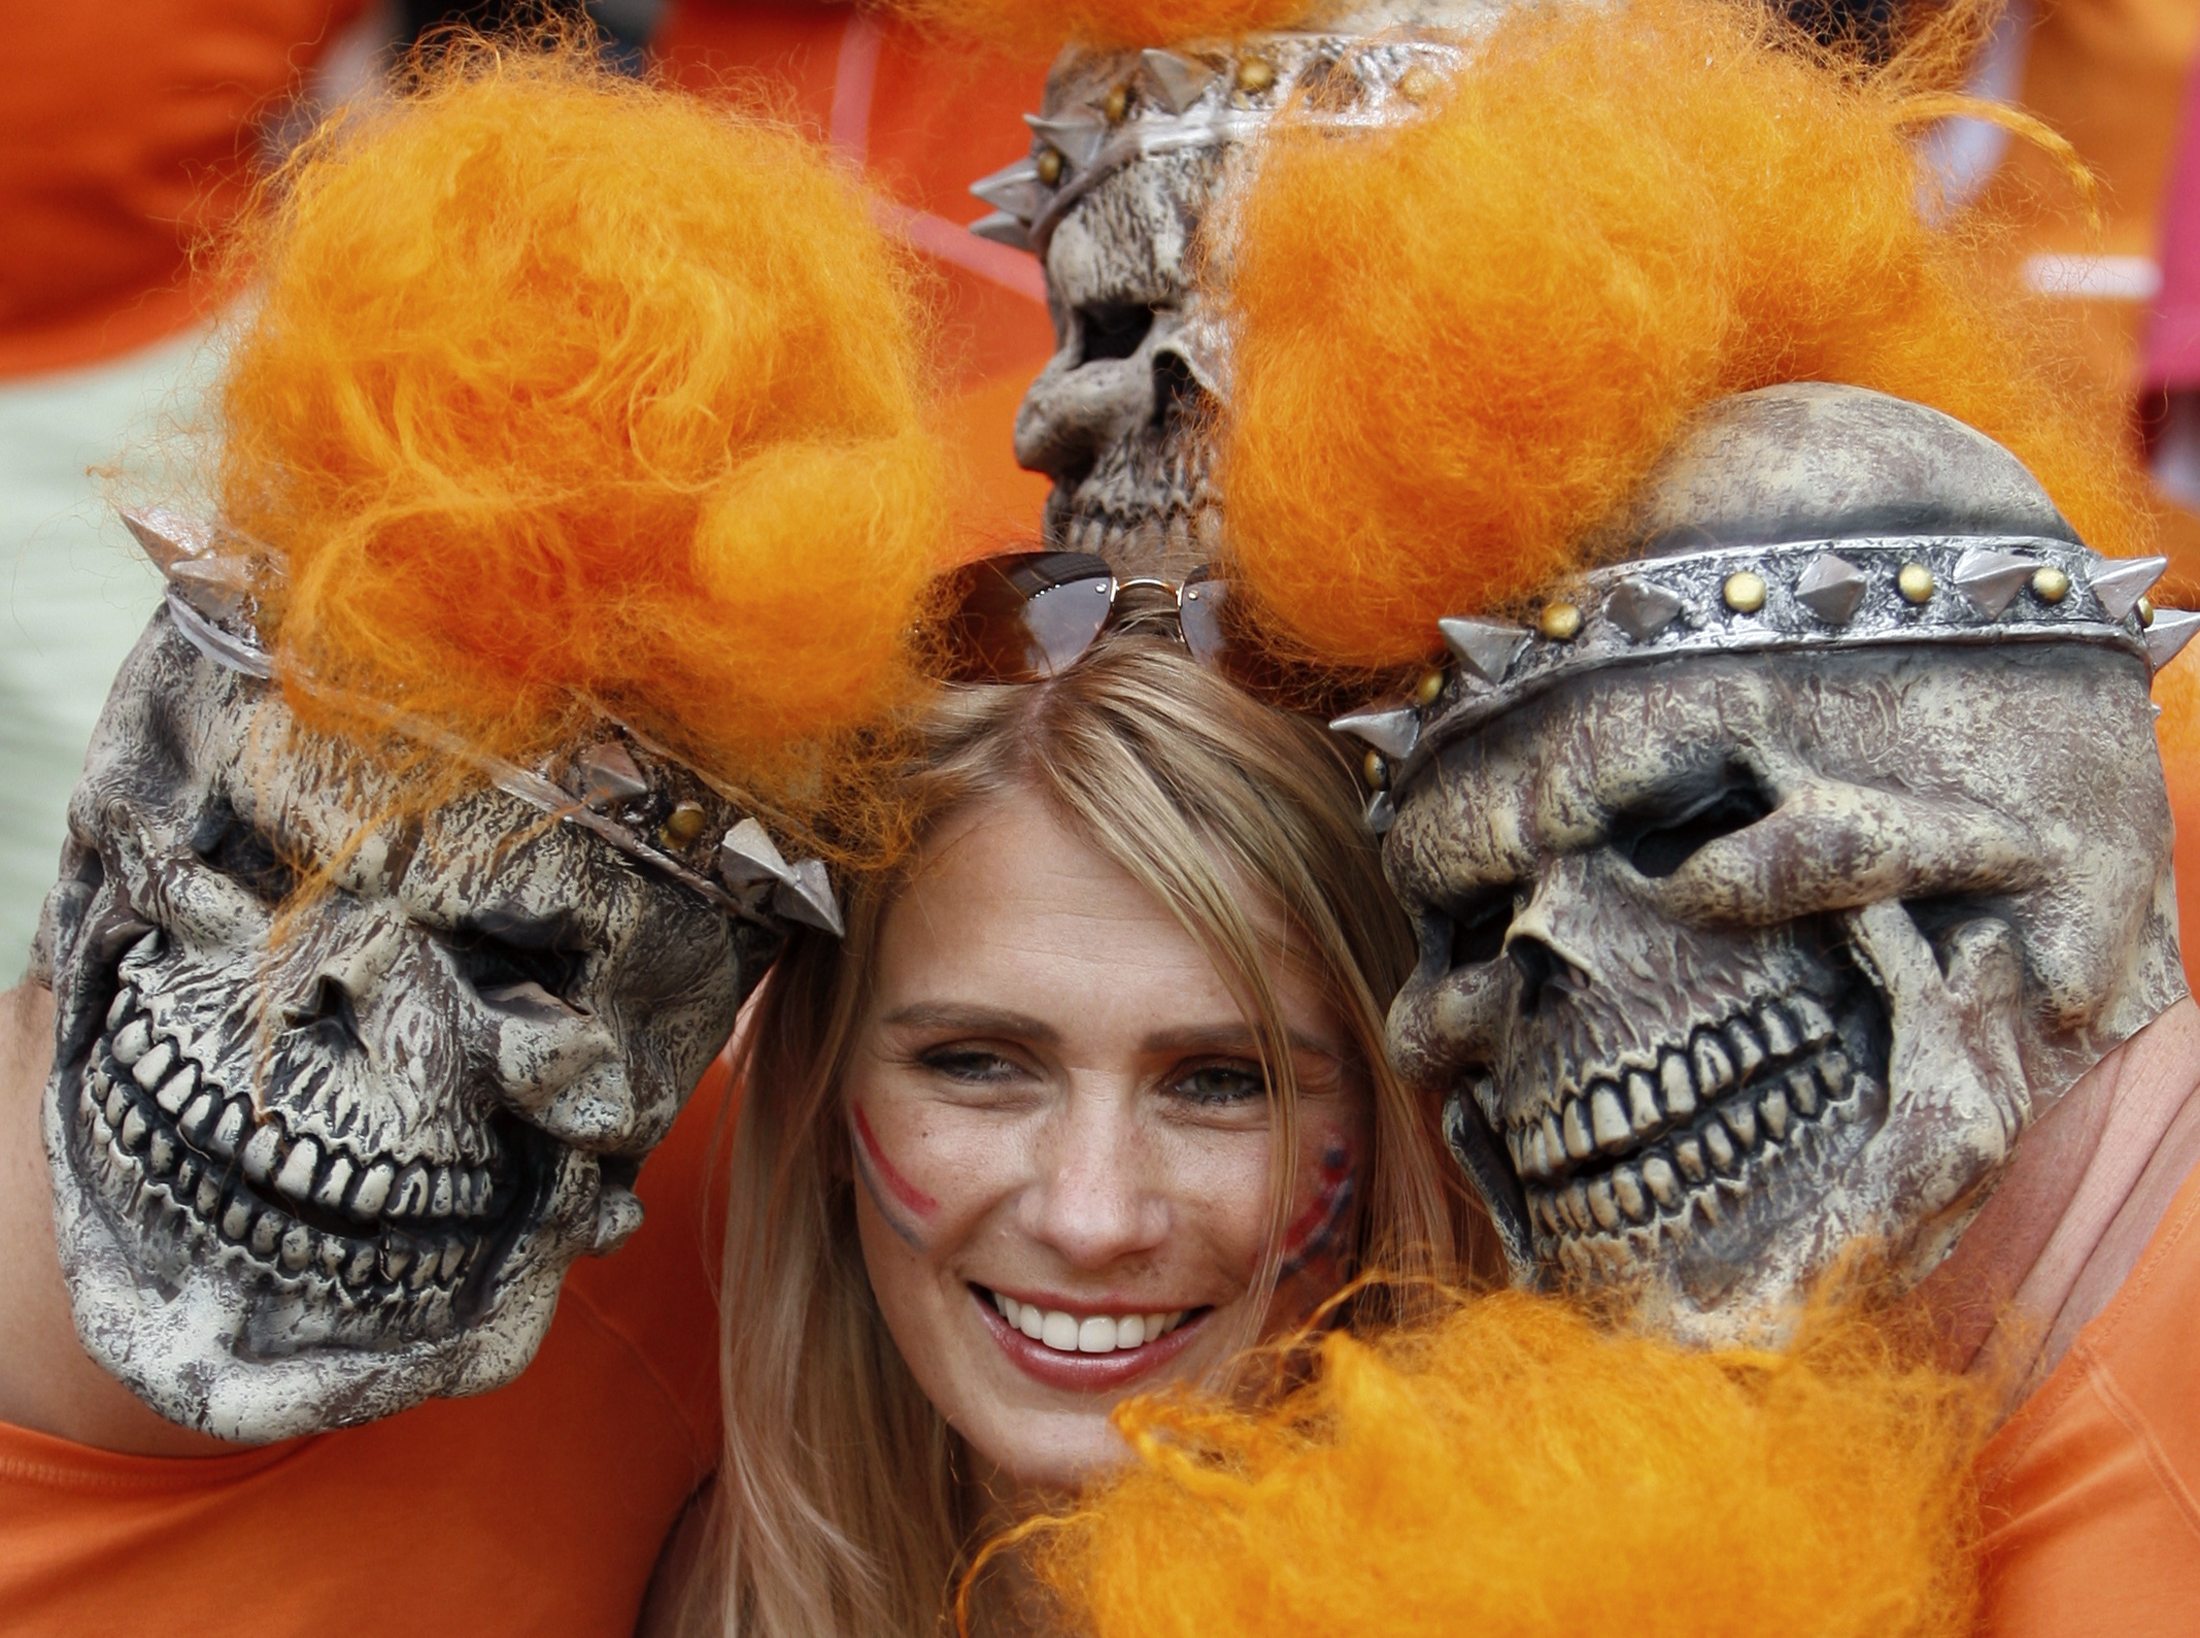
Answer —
233 846
1479 924
515 965
1659 838
1115 330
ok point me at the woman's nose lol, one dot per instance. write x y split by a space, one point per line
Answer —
1101 1191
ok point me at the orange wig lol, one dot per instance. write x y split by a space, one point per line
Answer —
563 394
1512 1471
1463 341
1108 25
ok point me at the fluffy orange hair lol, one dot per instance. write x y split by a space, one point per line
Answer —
1463 341
565 393
1510 1470
1024 27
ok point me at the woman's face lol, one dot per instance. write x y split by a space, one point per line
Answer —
1063 1144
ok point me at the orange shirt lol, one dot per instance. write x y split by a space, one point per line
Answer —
925 120
2092 1489
126 133
537 1509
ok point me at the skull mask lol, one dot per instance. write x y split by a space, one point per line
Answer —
1732 960
316 1162
1123 198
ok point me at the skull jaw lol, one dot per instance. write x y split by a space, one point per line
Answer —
210 1337
218 1337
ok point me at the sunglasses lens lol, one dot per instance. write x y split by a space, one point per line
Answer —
1213 631
1025 617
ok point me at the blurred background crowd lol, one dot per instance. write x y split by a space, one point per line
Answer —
129 133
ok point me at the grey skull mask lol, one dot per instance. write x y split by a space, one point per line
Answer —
1124 198
313 1169
1738 958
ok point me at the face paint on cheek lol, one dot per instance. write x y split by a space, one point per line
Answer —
900 1202
1313 1234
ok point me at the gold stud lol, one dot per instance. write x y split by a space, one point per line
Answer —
1375 770
1430 685
1050 165
2144 609
1915 583
1561 622
1418 84
2050 584
1118 103
684 823
1744 591
1255 75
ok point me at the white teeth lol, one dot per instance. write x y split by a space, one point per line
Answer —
374 1189
1086 1333
1607 1122
177 1089
296 1177
125 1002
1678 1086
131 1041
149 1070
259 1154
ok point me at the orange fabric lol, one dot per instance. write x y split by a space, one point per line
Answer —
2092 1490
539 1508
126 131
926 120
2110 76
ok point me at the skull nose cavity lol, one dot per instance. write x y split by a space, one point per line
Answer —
1544 970
326 1009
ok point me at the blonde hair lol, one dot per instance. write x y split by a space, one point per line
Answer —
838 1508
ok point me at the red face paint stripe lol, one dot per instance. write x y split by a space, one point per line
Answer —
912 1197
1309 1233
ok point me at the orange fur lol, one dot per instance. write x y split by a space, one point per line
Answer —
1463 342
1509 1470
565 393
1020 25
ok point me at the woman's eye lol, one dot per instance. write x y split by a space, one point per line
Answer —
1218 1084
971 1065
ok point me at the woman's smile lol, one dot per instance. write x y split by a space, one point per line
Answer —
1085 1348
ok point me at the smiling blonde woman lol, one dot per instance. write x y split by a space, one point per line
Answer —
1090 1097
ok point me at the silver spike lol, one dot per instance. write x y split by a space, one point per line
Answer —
1640 609
1078 133
1014 188
167 538
226 575
1382 813
1003 229
805 895
1831 588
1180 80
1991 579
1485 648
1394 730
2124 581
747 856
2167 637
608 774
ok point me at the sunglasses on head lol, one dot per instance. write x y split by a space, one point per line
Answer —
1027 616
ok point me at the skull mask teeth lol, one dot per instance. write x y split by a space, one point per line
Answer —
1731 964
319 1156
